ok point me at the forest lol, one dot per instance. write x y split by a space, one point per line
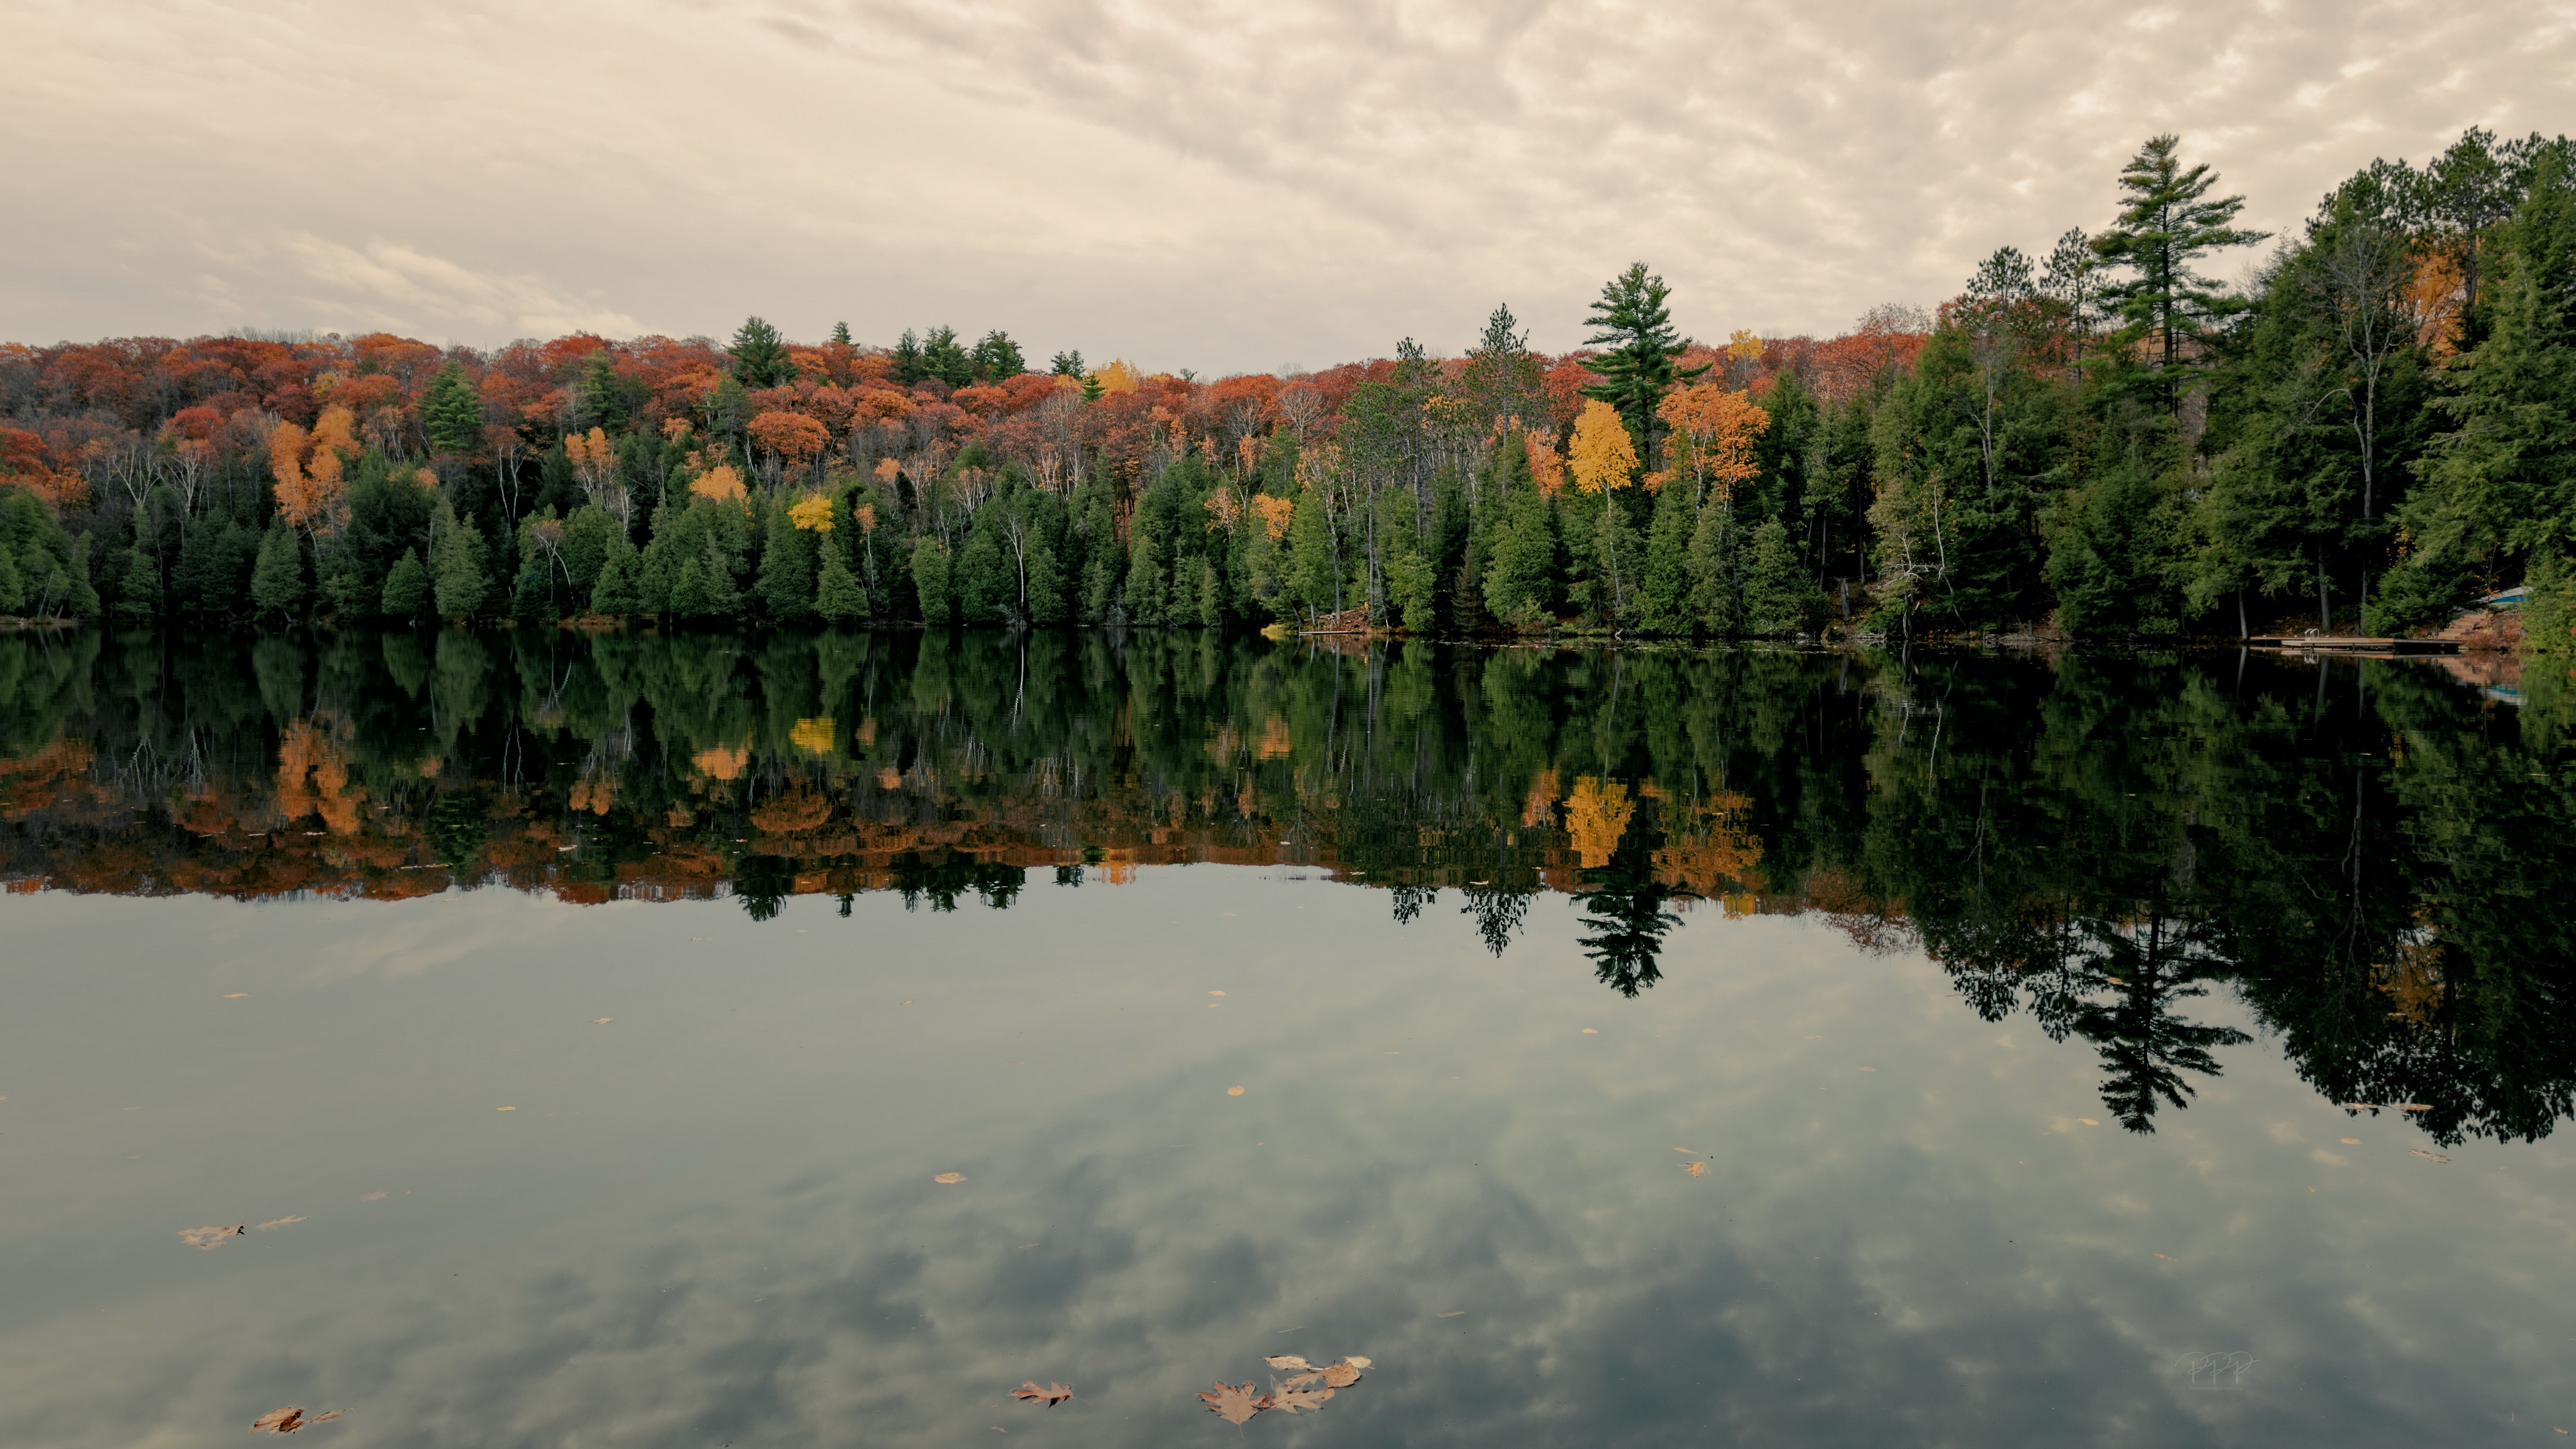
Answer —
2092 439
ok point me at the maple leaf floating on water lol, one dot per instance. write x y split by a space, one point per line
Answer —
212 1238
1288 1361
950 1177
1294 1400
288 1420
1054 1393
1233 1403
1696 1169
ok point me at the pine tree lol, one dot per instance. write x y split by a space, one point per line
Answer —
1067 364
617 592
451 412
13 584
456 566
277 579
2167 223
930 582
907 359
760 355
406 592
1633 319
841 334
138 588
1664 583
998 357
787 561
839 597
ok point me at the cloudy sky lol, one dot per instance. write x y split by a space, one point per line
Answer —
1227 186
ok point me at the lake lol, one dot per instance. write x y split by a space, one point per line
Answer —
701 1040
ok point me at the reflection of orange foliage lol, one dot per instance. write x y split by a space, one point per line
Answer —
887 779
594 795
786 814
720 762
1275 742
1705 851
1878 927
312 773
1540 808
2414 984
33 782
1117 867
1596 815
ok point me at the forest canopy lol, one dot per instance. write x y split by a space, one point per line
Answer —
2099 438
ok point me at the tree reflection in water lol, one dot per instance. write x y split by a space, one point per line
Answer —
2367 855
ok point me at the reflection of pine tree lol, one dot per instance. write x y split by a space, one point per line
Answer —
1499 911
1625 910
2145 1042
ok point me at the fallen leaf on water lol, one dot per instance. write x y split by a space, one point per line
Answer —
209 1238
1288 1361
2359 1107
1696 1169
1344 1374
601 1020
1592 1031
1234 1091
2414 1107
903 1003
2429 1156
1292 1401
288 1420
2168 1257
1449 1315
235 995
275 1223
1216 993
1053 1394
1690 1150
2349 1141
373 1197
505 1109
2087 1121
950 1177
1232 1402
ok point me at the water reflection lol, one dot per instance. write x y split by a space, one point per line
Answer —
2368 853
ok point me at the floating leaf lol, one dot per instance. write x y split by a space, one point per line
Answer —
1234 1091
1592 1031
2428 1156
601 1020
1288 1361
373 1197
275 1223
1216 993
950 1177
1233 1403
1696 1169
1344 1374
235 995
288 1420
211 1238
1053 1394
505 1109
1293 1400
2087 1121
2349 1141
2414 1107
1691 1151
2168 1257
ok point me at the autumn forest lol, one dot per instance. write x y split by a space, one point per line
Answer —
2092 439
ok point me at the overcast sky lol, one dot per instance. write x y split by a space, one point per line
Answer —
1225 186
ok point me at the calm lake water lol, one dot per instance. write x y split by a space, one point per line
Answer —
697 1041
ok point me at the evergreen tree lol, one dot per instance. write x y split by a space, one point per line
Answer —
907 359
1635 323
760 355
838 596
451 411
997 357
406 593
138 595
1520 580
456 568
787 568
930 582
600 402
2168 221
616 592
1067 364
13 584
841 334
277 579
1664 583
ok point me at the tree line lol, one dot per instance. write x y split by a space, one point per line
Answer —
2097 438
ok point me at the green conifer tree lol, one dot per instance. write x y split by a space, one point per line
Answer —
838 595
138 589
406 594
451 412
930 582
277 579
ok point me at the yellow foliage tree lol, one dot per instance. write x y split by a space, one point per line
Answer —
1713 435
720 482
812 513
1118 376
1603 456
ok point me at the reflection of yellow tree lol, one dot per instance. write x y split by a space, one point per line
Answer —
721 762
815 736
1596 815
1707 850
2413 984
313 778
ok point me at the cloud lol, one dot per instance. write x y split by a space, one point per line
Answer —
1223 185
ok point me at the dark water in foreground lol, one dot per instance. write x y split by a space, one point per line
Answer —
2007 1009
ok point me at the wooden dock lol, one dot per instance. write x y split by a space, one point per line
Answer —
2339 644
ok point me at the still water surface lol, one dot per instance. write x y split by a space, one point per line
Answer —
2007 1009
